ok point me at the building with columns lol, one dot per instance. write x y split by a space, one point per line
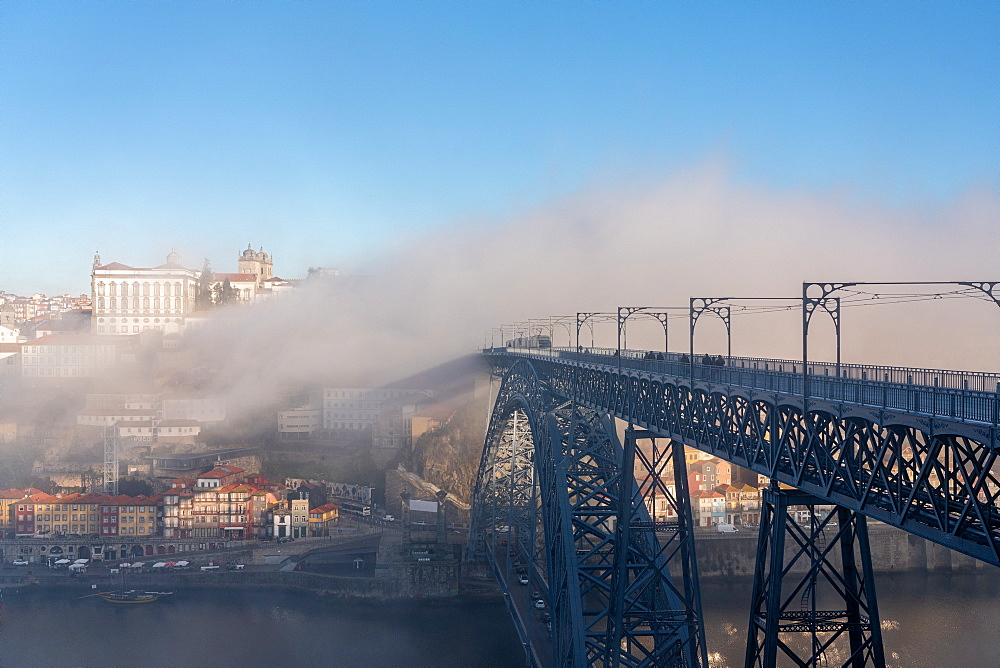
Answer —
130 300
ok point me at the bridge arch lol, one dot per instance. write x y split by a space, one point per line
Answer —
549 495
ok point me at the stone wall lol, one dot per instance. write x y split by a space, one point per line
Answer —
892 550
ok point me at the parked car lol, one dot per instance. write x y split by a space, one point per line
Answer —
523 579
286 539
20 562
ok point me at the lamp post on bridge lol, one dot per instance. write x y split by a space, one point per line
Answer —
589 319
721 308
562 321
660 313
819 297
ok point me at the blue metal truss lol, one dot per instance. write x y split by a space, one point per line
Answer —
813 588
934 476
604 572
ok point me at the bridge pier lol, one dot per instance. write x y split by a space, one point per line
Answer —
813 596
643 624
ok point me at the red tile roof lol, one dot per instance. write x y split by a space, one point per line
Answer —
234 278
320 510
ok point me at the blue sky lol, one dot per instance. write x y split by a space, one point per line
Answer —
325 131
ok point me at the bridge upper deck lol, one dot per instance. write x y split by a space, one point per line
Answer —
964 396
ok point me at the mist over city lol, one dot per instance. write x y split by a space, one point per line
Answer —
310 319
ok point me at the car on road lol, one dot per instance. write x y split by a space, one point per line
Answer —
535 594
503 528
286 539
540 604
388 518
522 578
20 562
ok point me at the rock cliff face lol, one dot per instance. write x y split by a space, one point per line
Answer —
449 455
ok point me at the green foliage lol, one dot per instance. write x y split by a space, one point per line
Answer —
203 299
134 487
224 293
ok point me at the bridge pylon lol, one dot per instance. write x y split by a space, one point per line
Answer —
813 597
557 499
654 536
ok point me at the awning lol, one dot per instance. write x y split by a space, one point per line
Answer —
62 561
81 561
159 564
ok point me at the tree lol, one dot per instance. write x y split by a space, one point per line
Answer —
134 487
204 299
226 293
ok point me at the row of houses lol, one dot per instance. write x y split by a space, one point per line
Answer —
221 503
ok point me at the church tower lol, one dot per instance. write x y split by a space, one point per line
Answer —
258 263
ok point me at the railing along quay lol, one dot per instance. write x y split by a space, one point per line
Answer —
965 396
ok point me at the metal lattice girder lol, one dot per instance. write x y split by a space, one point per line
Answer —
579 479
653 620
934 477
813 600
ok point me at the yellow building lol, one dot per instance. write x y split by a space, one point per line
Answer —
322 518
8 498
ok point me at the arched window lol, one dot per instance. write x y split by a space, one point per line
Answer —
145 303
156 303
177 303
145 289
166 289
156 289
177 288
135 303
124 289
100 288
135 289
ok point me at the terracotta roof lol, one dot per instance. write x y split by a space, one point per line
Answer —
324 509
12 493
234 278
115 265
221 472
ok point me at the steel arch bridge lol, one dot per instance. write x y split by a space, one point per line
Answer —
559 490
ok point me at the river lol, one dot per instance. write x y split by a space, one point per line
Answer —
929 620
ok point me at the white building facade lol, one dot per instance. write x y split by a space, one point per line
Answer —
129 300
357 408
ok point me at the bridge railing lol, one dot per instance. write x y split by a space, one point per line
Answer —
957 395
